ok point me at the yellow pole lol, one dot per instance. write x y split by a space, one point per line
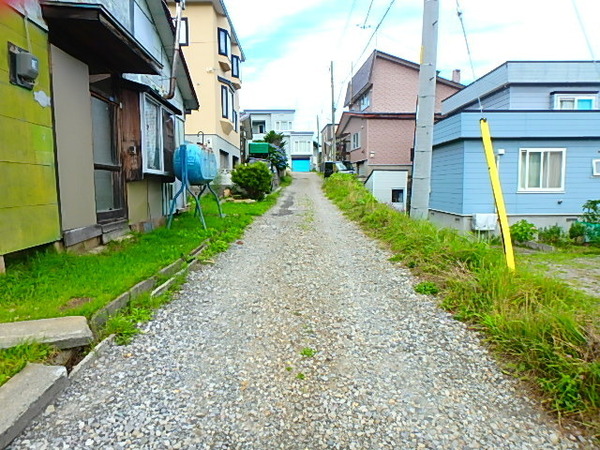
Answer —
498 196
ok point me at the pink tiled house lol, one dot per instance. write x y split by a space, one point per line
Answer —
377 131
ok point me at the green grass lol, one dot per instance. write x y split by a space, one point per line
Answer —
43 284
549 332
308 352
12 360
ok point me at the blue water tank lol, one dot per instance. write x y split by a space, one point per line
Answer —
201 164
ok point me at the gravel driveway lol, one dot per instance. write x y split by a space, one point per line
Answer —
301 336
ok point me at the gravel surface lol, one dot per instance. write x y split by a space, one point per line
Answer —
301 336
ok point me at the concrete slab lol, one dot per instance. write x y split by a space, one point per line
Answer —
141 287
101 316
27 394
62 332
171 268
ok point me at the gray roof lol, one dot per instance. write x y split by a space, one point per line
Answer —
525 72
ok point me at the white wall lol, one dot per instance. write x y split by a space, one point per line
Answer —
381 183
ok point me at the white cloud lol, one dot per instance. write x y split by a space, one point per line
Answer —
497 31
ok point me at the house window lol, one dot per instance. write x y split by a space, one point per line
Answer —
258 127
575 102
184 32
542 169
364 102
235 121
224 102
227 104
397 195
224 42
235 66
596 167
159 140
107 170
283 125
355 141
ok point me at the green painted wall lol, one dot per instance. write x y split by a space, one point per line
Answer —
28 196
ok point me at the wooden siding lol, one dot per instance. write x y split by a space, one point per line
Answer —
131 132
29 203
447 175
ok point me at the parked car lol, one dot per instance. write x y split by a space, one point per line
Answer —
330 167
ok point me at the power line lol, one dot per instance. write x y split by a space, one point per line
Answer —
459 13
586 37
364 25
346 25
377 28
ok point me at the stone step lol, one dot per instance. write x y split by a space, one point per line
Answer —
27 394
62 332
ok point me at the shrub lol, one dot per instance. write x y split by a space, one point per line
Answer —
591 211
577 230
552 235
522 231
255 179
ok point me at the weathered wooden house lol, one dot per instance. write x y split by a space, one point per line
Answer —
94 156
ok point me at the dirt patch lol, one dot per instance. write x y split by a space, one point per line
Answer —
75 303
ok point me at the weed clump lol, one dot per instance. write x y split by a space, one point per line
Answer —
550 332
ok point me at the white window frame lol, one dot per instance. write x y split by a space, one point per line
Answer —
159 130
529 151
560 97
596 167
355 141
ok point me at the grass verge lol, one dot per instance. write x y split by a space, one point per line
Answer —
548 332
50 284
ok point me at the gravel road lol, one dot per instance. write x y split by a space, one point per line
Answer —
302 336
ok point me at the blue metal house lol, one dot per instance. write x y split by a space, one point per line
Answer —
545 124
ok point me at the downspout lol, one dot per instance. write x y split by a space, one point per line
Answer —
173 79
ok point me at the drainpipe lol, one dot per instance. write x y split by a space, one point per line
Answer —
173 80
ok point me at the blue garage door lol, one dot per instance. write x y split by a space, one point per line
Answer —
301 165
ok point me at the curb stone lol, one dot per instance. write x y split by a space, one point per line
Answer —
97 351
26 395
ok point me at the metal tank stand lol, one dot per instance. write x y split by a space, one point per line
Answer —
185 186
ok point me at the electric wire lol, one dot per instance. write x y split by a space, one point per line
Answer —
365 49
364 25
346 25
459 13
585 36
377 28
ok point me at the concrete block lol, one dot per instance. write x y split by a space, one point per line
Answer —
62 332
171 268
101 316
141 287
27 394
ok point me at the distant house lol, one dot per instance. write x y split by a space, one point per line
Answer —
215 58
90 155
545 124
298 144
327 133
377 131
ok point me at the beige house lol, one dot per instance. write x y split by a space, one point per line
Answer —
214 55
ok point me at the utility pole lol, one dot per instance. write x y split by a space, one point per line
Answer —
421 182
333 146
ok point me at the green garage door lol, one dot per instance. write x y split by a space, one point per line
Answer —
301 165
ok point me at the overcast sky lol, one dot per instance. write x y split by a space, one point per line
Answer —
289 44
